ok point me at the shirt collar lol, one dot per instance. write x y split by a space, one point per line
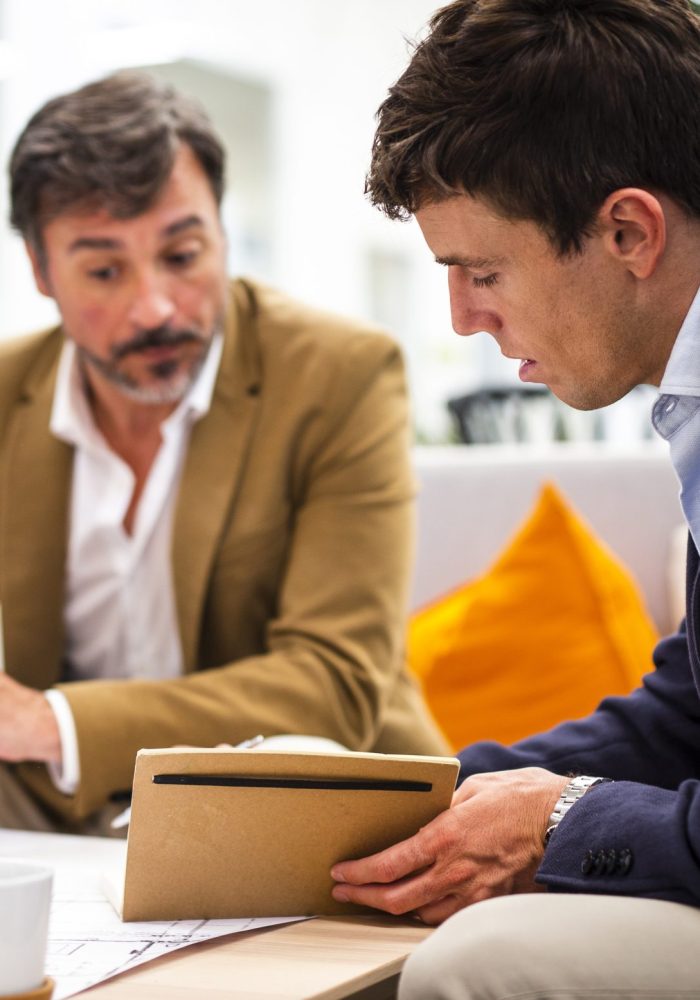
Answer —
71 416
682 374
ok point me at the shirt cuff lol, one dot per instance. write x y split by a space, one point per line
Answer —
65 776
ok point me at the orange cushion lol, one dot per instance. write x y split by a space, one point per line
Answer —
556 624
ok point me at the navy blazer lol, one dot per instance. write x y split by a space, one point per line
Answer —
639 836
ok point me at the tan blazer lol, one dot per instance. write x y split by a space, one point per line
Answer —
291 550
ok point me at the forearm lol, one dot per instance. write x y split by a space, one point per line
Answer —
299 690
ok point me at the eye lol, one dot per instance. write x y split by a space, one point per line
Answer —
182 258
488 281
104 274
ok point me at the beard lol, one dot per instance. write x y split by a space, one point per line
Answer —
166 380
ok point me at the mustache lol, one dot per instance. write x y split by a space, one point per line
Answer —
158 336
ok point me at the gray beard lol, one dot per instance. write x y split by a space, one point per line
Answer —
172 385
171 390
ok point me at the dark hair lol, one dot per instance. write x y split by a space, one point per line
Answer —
543 108
111 143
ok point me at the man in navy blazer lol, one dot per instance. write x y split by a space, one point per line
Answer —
550 152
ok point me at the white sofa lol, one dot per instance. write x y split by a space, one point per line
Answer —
473 498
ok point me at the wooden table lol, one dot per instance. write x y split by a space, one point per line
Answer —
320 959
325 959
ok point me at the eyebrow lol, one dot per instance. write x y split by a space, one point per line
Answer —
472 263
109 243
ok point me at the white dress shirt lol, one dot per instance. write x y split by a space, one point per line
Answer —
676 414
119 613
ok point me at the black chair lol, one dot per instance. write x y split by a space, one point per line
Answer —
506 414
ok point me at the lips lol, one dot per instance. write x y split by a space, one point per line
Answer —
158 350
526 370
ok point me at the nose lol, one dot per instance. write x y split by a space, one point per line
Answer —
468 314
152 304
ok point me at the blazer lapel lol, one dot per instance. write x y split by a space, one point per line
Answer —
35 482
214 467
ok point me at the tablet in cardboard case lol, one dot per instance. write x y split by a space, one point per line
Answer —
246 833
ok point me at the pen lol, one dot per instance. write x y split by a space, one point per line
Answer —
123 818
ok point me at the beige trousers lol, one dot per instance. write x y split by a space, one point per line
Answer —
552 946
19 810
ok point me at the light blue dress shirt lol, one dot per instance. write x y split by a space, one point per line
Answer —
676 414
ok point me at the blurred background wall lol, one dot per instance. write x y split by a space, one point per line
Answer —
293 86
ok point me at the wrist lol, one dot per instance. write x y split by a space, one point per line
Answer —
573 791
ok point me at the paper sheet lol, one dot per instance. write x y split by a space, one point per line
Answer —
87 941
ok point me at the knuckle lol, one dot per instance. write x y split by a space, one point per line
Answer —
385 870
446 836
396 906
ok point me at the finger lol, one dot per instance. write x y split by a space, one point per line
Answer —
391 899
404 896
379 897
394 863
437 913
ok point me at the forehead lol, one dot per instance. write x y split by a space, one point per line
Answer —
185 202
467 231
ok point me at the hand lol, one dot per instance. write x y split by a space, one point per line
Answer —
488 843
28 727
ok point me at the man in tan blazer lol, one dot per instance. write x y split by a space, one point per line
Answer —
205 498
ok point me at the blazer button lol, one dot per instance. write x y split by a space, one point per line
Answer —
610 861
600 862
587 863
624 861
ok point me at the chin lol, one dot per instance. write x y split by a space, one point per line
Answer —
593 398
158 393
162 384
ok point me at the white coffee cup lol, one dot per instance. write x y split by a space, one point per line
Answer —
25 901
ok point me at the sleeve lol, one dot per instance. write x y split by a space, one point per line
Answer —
629 839
333 647
641 834
65 777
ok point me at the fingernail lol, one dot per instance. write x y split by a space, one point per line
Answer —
336 874
340 896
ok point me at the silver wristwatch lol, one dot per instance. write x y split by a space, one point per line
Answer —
573 791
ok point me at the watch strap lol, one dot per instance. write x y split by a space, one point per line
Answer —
574 789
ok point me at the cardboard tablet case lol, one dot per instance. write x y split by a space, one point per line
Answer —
241 833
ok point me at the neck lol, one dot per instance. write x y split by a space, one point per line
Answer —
130 428
670 293
678 297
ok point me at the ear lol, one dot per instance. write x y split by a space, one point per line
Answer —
632 223
37 259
